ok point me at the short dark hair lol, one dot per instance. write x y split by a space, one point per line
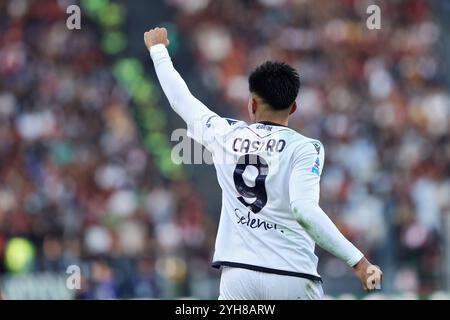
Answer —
276 83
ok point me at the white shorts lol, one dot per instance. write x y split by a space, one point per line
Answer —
244 284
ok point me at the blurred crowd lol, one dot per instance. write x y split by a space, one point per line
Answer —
78 187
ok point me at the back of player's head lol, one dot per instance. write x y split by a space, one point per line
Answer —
276 83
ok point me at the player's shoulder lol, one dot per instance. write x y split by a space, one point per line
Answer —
224 122
224 125
302 144
234 122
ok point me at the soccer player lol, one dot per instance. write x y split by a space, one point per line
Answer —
269 175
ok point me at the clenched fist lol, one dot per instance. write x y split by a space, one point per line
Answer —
156 36
370 275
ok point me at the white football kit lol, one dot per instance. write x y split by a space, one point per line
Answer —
270 218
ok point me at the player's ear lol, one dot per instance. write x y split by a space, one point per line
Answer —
254 105
293 108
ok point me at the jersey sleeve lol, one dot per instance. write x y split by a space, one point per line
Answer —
304 182
304 192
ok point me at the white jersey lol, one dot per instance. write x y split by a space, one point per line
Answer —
262 168
269 175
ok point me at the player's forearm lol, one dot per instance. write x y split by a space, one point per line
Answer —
173 85
324 232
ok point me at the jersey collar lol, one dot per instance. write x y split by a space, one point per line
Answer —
269 123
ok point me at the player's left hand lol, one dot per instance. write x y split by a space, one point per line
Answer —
369 274
156 36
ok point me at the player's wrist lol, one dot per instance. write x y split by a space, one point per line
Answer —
157 47
363 263
158 52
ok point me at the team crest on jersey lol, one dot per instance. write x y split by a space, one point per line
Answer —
317 146
316 167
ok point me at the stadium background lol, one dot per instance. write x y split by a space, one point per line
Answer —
86 176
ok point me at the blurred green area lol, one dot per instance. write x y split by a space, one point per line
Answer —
110 17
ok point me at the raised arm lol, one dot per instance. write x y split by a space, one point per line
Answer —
180 98
304 194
